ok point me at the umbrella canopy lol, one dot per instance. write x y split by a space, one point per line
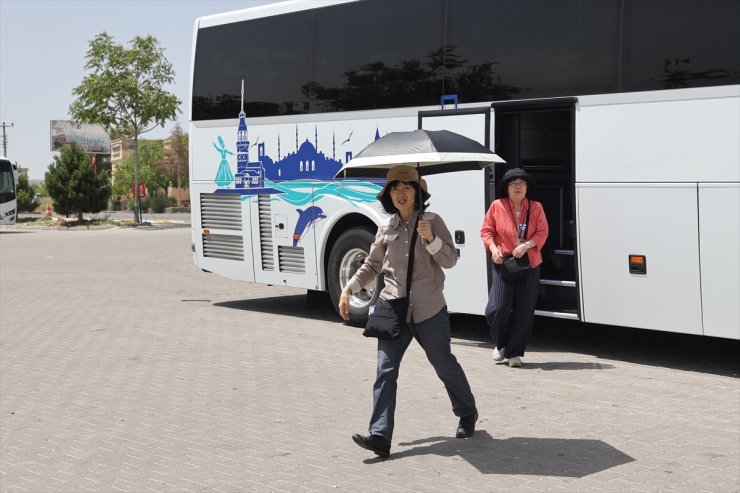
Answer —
431 151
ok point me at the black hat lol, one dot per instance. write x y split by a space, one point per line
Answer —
503 186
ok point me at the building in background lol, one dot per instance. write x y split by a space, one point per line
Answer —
120 150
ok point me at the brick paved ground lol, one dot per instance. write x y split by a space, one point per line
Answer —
124 368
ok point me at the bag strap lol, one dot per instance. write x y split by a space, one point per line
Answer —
526 220
410 268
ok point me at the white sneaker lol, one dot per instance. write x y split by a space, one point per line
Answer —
498 354
515 362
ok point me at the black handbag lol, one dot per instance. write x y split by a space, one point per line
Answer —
515 268
386 317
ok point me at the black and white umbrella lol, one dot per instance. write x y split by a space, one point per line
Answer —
430 151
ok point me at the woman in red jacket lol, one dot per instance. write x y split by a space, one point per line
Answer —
506 230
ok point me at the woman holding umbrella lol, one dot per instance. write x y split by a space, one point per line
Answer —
427 320
516 225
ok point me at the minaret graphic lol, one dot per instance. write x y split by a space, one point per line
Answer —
248 174
242 143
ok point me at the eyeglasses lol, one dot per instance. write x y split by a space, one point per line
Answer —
518 183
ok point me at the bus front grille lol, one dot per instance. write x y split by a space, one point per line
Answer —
226 247
221 211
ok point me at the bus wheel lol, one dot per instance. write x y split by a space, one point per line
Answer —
346 257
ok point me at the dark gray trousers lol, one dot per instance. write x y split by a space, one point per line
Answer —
433 336
510 311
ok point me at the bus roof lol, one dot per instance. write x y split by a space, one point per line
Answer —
267 10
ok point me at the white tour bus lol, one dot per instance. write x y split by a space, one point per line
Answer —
8 199
626 113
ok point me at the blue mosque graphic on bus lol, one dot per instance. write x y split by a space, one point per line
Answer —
259 176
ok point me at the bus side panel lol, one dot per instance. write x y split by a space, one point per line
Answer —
659 221
719 241
625 139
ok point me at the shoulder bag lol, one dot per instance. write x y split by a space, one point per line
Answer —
386 317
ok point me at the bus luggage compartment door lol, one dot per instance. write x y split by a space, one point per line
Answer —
659 221
283 239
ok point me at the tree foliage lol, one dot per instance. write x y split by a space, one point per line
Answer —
25 193
175 162
124 89
72 184
151 154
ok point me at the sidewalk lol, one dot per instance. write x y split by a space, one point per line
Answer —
126 216
125 368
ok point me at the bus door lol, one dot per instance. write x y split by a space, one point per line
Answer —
460 199
283 238
538 136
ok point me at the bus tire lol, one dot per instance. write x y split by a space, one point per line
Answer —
348 253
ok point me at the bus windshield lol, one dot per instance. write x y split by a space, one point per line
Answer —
8 202
7 181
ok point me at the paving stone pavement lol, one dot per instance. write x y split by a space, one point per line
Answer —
123 368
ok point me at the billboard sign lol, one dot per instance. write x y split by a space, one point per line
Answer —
90 136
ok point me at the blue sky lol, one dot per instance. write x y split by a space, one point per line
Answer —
42 56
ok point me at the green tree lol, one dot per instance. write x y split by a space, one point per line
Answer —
25 193
175 163
151 155
72 184
124 91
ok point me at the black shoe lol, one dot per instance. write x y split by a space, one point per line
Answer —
374 443
466 427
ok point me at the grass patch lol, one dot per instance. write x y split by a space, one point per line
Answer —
67 223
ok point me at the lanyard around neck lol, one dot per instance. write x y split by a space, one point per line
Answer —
521 228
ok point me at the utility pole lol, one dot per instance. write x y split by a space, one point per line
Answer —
5 139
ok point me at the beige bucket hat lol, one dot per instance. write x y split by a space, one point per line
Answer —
402 172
